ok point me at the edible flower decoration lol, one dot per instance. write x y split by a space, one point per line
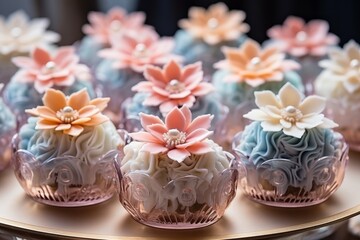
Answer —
288 112
173 85
344 66
178 137
103 26
69 114
300 39
254 65
18 34
216 25
135 51
46 70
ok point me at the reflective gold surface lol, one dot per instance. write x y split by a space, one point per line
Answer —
243 219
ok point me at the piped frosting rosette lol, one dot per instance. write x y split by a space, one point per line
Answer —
291 137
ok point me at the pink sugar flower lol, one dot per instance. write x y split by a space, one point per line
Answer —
179 136
103 26
300 39
173 85
136 50
46 70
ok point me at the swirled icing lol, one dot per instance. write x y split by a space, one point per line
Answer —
90 146
260 146
232 94
21 96
194 50
208 104
7 119
88 50
161 170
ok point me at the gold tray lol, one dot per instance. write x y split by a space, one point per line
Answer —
243 219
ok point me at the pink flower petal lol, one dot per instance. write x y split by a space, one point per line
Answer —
199 148
203 121
178 155
147 120
190 70
172 71
157 130
155 75
166 107
143 86
203 89
175 120
154 100
197 135
145 137
41 56
180 95
161 91
187 114
23 62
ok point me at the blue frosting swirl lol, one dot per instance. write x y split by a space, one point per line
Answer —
88 51
194 50
261 146
21 96
233 94
7 119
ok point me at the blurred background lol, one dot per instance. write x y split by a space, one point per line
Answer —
68 16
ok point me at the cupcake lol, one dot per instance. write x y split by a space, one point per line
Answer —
125 63
169 87
289 156
102 28
305 43
18 37
173 176
206 31
339 82
7 130
248 69
65 153
41 71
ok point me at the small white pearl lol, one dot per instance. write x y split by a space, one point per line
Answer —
174 83
290 109
213 23
301 36
16 32
354 63
68 109
140 47
173 133
50 65
255 61
115 25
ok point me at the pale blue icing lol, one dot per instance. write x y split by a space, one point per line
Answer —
88 51
208 104
7 119
233 94
261 146
194 50
89 146
21 96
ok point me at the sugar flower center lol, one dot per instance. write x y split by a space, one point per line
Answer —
67 114
213 23
301 36
115 25
254 63
140 50
175 86
174 137
16 32
354 63
291 114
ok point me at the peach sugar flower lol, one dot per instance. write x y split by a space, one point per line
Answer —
179 136
136 50
46 70
300 39
19 34
288 112
173 85
254 65
215 25
69 114
116 21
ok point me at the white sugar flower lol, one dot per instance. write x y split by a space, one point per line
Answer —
288 112
343 66
19 34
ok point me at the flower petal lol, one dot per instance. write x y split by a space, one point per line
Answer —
312 104
203 121
41 56
79 99
197 135
54 99
147 120
82 121
175 120
63 127
100 103
199 148
153 148
289 96
271 126
264 98
74 131
45 124
187 114
257 115
145 137
178 155
294 131
328 123
88 111
172 71
157 130
47 113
